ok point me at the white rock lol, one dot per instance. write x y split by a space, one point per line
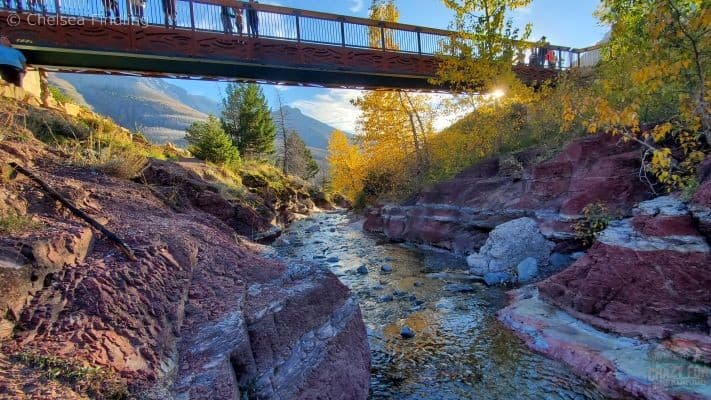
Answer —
508 244
527 270
664 205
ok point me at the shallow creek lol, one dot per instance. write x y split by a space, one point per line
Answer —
459 351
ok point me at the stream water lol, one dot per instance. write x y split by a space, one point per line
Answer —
459 351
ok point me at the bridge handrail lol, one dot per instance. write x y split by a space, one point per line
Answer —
326 28
373 23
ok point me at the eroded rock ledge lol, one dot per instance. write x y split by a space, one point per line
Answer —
458 214
634 313
621 367
202 314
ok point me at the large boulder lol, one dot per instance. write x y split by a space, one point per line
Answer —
509 244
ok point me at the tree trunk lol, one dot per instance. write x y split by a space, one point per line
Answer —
415 138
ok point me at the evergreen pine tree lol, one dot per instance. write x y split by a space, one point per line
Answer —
209 142
246 118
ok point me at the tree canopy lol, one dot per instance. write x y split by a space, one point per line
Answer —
653 84
208 141
345 164
246 118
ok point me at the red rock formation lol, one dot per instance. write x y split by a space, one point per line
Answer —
200 313
260 218
653 269
700 205
457 214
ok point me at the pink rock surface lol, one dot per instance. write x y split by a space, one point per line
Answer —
201 313
665 226
622 285
621 367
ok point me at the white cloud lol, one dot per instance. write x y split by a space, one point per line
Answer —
332 107
357 6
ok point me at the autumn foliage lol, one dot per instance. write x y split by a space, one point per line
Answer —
651 87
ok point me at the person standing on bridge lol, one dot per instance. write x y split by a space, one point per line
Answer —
542 52
12 63
238 18
252 20
138 8
17 2
112 7
34 4
170 12
226 13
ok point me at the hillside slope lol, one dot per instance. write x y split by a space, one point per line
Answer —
162 110
158 109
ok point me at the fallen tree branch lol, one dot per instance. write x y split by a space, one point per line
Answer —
79 213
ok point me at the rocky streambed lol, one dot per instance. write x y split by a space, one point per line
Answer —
432 330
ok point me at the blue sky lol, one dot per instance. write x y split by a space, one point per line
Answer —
563 22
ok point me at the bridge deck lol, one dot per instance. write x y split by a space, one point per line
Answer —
294 46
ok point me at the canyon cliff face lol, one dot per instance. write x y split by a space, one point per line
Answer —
203 313
458 214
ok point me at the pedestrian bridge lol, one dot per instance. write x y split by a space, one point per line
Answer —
197 39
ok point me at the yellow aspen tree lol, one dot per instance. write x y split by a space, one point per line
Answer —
345 165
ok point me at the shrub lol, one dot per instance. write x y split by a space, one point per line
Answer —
209 142
124 164
59 95
596 217
12 222
51 126
96 382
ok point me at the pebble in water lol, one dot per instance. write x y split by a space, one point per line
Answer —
385 299
406 332
386 269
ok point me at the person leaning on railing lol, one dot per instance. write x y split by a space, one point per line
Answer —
12 63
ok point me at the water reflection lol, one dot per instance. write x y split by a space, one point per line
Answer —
460 350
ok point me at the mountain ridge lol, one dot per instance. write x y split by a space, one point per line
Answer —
162 110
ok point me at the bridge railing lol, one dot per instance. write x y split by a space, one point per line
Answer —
282 23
